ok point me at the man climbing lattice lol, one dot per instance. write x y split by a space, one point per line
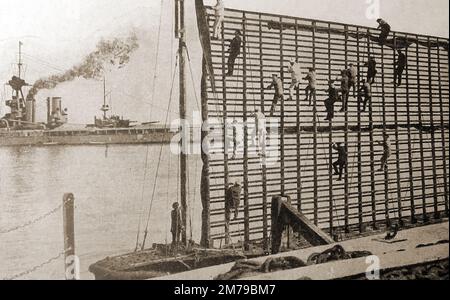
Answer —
310 90
385 31
386 152
234 51
341 164
277 84
333 97
233 199
345 90
296 73
353 77
364 94
260 132
219 12
399 66
371 65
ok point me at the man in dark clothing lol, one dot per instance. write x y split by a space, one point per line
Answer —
371 70
365 94
352 73
333 97
385 30
310 90
399 66
232 200
277 84
234 51
176 225
341 163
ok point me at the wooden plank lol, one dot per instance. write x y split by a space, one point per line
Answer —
282 210
358 267
411 237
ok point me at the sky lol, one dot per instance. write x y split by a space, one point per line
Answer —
57 34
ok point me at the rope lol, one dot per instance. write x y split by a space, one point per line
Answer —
155 77
158 165
34 221
37 267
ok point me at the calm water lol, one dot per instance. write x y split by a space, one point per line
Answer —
108 184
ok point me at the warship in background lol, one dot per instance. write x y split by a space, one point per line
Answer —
19 127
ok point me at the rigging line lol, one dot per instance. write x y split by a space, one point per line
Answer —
167 200
158 166
151 103
192 79
146 169
155 70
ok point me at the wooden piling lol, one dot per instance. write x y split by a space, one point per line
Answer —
69 236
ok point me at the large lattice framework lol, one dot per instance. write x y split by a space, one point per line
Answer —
416 116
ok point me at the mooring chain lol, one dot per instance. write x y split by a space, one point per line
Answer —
34 221
35 268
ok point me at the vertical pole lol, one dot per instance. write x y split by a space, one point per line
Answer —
282 161
410 143
184 142
386 172
330 148
299 128
245 112
264 167
225 136
360 197
422 164
205 179
433 145
346 187
443 136
397 152
69 235
372 155
316 198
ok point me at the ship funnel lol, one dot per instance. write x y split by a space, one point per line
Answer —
30 106
55 114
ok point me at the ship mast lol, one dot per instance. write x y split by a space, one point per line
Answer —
181 35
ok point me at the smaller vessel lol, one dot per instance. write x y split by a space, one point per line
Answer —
111 121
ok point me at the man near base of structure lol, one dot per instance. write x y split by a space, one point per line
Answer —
386 152
176 225
341 163
345 90
232 200
399 66
234 51
333 97
296 78
352 75
277 84
371 70
219 12
310 90
364 95
385 31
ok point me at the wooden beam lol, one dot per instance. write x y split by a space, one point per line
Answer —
283 214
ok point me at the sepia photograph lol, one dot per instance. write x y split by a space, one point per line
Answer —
209 142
